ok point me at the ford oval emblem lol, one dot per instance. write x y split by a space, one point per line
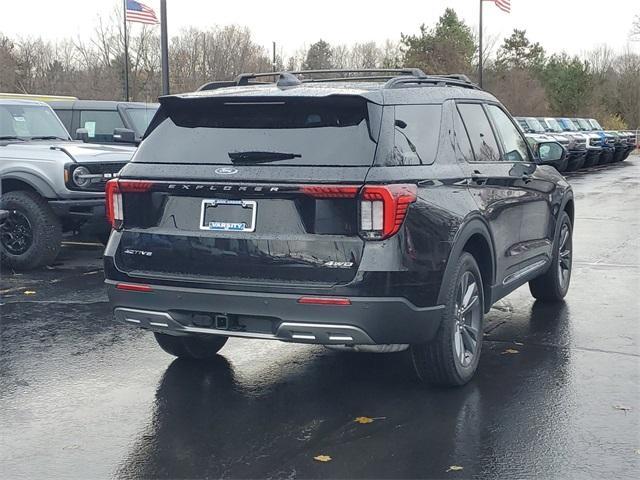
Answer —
226 171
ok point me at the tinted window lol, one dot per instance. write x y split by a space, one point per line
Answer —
483 141
417 128
140 118
281 131
514 145
100 124
463 145
65 117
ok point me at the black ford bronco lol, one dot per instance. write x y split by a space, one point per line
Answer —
380 210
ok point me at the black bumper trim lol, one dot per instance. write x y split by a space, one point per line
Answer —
384 320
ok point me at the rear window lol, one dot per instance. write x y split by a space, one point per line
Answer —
336 131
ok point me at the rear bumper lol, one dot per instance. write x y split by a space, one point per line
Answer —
184 311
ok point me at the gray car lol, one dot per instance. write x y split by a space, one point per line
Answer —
50 183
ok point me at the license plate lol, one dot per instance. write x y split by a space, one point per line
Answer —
222 215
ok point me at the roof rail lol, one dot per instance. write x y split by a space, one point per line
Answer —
395 78
217 84
443 80
244 78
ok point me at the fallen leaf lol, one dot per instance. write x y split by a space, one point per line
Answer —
510 350
29 292
518 343
455 468
322 458
622 407
364 420
638 451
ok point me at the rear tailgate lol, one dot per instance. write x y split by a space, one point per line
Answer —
267 203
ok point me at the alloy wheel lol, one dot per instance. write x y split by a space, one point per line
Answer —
16 233
564 256
466 334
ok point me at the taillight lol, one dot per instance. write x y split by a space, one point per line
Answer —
383 209
330 191
114 190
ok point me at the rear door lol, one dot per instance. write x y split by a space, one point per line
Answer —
249 192
497 174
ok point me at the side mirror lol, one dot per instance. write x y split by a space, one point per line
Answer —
124 135
82 134
549 152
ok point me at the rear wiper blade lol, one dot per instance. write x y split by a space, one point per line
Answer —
47 137
261 157
11 137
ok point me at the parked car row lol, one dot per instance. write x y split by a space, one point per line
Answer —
586 142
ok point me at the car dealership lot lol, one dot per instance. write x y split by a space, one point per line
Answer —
556 394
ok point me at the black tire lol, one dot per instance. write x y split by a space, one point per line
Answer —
192 347
40 230
553 285
439 362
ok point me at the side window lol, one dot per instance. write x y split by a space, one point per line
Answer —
463 145
65 118
417 132
100 124
483 141
514 145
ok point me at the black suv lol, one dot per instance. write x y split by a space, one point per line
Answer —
382 212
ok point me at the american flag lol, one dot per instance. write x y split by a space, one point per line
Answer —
139 12
504 5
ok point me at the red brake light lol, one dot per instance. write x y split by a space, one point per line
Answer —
324 301
113 197
383 208
330 191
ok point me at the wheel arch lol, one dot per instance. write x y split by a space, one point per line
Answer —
26 181
569 207
473 237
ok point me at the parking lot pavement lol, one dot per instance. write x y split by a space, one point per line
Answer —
557 394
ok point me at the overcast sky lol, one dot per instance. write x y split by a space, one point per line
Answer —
572 25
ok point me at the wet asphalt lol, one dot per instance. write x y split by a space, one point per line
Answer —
557 393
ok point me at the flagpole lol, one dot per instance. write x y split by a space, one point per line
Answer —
164 43
480 48
126 54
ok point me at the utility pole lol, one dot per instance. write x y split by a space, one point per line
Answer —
480 49
126 53
274 56
164 42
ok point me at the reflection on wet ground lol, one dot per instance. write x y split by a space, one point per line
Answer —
556 394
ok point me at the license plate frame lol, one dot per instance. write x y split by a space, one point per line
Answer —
230 227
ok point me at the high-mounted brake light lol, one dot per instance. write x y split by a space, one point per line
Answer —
383 208
113 197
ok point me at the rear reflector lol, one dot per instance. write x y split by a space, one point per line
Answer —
324 301
133 287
